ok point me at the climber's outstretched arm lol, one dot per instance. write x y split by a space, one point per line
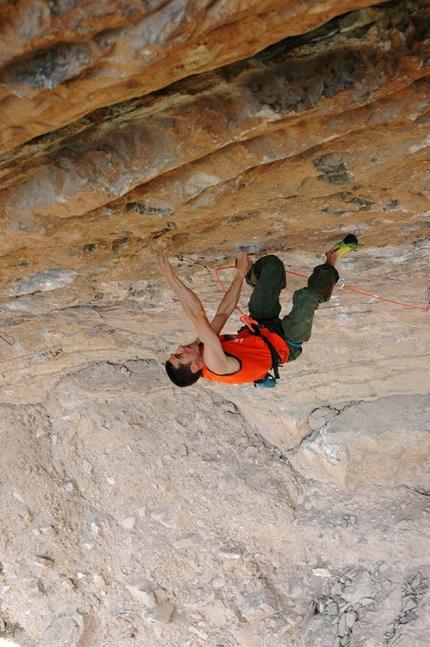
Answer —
214 356
191 303
231 297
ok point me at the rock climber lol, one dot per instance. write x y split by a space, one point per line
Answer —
249 355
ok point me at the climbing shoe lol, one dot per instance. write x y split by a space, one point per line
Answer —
348 244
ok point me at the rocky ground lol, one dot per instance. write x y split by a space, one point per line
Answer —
138 514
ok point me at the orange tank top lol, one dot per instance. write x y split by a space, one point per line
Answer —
253 354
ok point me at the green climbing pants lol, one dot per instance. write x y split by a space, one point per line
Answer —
268 278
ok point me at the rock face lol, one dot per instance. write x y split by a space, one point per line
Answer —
331 123
134 513
97 55
392 450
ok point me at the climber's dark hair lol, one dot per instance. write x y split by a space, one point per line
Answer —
182 374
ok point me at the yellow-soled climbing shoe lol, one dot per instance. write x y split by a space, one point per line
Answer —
348 244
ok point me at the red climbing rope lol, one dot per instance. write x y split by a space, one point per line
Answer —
397 303
303 276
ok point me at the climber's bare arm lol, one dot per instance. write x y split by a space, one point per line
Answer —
190 302
214 357
231 297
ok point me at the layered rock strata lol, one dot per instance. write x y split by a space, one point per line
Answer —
136 513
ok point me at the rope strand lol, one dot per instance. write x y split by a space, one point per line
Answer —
303 276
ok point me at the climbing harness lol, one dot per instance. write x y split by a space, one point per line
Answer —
269 380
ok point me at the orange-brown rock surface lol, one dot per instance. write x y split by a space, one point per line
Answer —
136 514
329 123
63 60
